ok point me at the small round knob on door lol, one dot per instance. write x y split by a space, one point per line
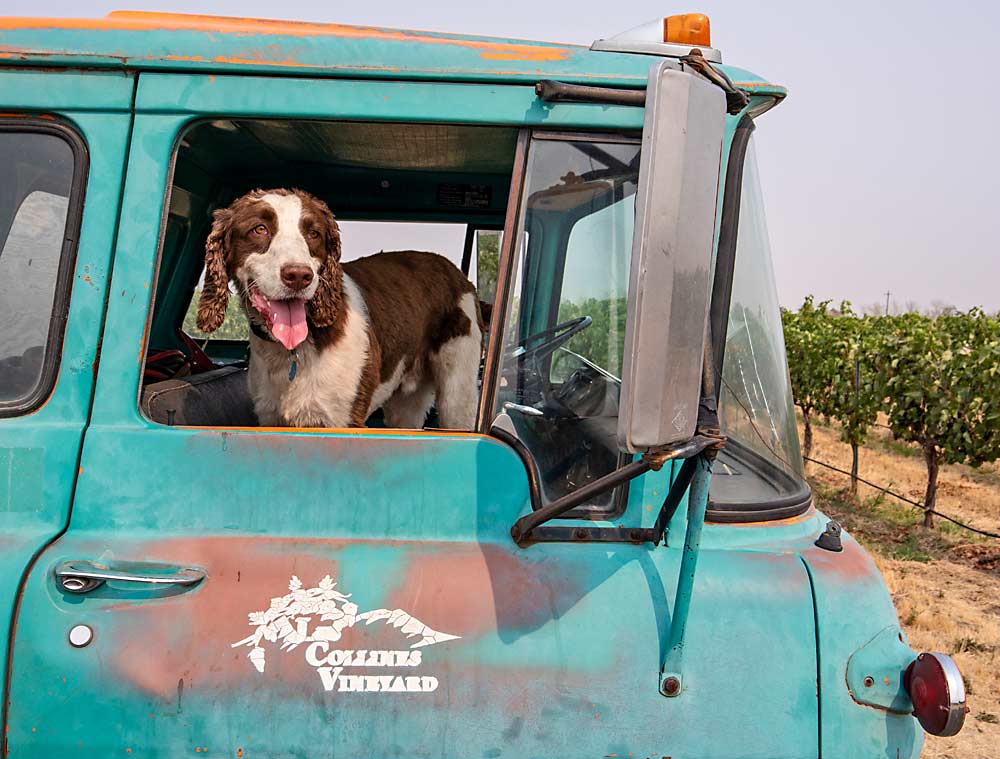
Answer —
80 635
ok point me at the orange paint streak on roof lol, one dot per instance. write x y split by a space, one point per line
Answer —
755 85
140 21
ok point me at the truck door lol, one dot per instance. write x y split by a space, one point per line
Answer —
63 137
205 527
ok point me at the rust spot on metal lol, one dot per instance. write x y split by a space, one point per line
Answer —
253 61
477 590
488 588
530 53
671 686
757 85
849 566
15 115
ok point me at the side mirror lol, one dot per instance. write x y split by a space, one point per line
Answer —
670 281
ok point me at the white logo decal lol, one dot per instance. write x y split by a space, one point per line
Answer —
287 621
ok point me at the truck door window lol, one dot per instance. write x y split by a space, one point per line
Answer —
392 186
37 170
565 319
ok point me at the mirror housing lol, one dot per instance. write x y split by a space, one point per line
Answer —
670 278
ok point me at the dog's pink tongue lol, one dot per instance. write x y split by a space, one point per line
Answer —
288 319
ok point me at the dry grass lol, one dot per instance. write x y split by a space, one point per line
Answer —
945 582
951 607
967 493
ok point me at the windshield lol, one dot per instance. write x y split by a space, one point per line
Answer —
761 467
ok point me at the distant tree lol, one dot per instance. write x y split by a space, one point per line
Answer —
487 265
603 342
808 336
856 392
942 379
940 308
234 327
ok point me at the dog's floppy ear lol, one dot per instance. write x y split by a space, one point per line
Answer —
215 290
325 304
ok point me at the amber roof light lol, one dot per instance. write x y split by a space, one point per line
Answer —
671 36
688 29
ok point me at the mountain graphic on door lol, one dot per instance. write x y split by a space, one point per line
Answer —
287 622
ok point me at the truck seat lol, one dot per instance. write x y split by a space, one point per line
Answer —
218 398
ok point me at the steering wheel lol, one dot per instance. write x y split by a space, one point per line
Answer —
550 339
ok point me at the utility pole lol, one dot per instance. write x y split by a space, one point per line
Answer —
887 294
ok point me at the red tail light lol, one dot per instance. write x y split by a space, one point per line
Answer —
938 694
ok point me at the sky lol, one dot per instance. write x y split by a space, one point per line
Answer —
879 171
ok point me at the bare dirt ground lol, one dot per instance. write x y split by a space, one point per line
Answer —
946 581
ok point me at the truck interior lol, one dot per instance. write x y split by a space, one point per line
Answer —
385 182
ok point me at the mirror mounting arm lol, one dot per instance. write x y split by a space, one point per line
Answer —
706 445
703 447
521 531
736 99
551 91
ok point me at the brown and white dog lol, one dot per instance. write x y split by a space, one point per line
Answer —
332 342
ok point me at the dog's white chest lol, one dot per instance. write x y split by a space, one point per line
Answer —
321 391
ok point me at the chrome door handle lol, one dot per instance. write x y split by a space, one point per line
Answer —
82 576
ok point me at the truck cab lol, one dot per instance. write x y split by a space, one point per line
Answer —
621 558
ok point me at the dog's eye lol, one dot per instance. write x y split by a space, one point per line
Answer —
260 230
313 234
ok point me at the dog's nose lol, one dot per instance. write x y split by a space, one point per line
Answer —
296 276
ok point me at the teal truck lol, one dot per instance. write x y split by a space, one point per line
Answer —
621 559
